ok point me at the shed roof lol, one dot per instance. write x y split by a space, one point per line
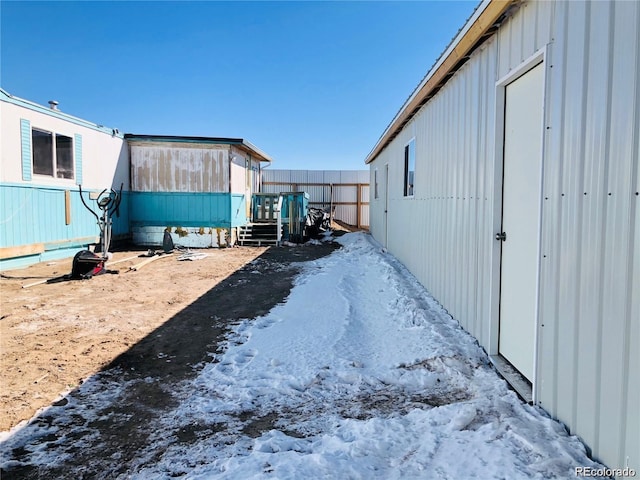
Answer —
238 142
481 25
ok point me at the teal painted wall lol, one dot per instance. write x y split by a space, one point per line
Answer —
182 209
36 214
32 214
238 210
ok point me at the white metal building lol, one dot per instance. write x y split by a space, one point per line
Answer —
509 184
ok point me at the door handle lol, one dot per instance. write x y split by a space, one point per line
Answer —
501 236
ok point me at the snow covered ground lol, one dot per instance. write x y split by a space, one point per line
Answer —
360 374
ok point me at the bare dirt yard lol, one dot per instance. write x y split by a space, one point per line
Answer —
54 336
147 329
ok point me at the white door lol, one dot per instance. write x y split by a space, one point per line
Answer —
521 193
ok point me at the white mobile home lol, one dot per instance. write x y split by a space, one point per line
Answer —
45 154
509 184
199 188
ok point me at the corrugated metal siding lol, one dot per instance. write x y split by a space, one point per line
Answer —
162 168
589 355
317 184
453 200
589 359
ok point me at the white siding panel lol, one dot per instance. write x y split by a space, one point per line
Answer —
277 188
623 92
596 132
365 193
345 193
545 20
281 176
332 176
349 176
104 157
316 193
589 360
298 176
345 214
549 346
364 215
630 435
238 175
315 176
571 203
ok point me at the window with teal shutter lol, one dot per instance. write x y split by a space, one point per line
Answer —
25 133
78 155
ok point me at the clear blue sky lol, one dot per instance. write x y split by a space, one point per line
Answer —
313 84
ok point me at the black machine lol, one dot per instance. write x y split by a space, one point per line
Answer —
109 202
318 221
87 264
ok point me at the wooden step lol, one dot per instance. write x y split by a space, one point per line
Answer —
258 234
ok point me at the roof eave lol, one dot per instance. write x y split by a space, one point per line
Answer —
476 30
238 142
35 107
260 155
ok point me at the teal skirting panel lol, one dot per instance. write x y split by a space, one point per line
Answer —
47 256
180 209
36 214
238 210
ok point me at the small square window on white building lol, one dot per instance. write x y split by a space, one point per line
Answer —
375 183
52 154
409 167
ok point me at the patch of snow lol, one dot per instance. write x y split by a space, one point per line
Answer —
359 374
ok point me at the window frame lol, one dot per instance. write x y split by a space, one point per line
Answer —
409 173
54 154
376 193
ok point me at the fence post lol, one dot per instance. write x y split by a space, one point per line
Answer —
330 203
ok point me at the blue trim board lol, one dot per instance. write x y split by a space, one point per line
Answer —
77 145
25 143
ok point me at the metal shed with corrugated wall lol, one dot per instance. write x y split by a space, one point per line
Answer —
346 191
508 184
